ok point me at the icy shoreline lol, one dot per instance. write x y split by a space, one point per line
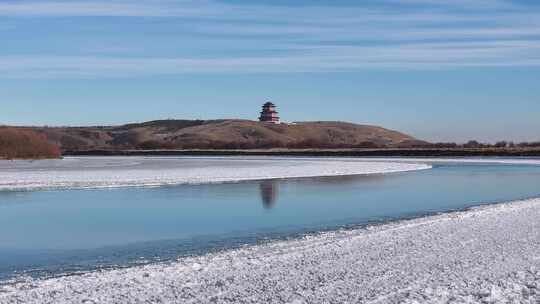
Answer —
487 254
113 172
464 160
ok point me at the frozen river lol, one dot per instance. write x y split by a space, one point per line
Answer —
55 219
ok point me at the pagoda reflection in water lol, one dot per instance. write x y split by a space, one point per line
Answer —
269 192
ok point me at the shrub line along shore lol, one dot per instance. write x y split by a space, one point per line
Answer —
491 152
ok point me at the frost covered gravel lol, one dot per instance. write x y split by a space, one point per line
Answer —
110 172
485 255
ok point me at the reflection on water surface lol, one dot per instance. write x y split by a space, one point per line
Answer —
269 193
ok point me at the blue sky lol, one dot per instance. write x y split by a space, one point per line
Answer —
442 70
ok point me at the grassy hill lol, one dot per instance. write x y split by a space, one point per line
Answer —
225 134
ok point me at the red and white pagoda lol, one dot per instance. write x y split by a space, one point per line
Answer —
269 113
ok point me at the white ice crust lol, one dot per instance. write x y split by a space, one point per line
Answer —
110 172
465 160
484 255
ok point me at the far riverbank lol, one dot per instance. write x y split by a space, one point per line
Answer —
462 152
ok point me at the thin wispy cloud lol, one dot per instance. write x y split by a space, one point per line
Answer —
94 8
321 59
220 37
484 4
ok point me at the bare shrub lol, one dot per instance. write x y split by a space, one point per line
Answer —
24 143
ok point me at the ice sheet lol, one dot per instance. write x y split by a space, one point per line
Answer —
109 172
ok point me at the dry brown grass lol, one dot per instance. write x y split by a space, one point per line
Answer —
230 134
23 143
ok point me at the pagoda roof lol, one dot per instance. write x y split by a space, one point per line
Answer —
269 104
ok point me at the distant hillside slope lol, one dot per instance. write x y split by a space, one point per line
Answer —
225 134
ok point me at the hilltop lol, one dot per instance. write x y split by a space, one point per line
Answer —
224 134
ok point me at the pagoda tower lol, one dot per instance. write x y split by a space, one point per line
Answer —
269 113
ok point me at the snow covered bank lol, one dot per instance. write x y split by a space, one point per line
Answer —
465 160
485 255
108 172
